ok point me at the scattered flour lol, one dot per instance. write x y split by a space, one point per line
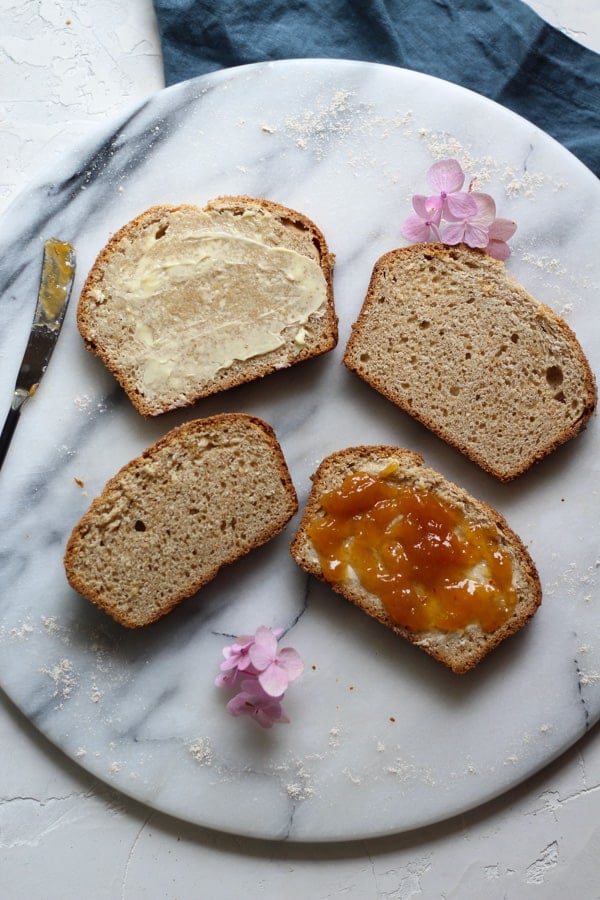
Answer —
95 694
202 752
22 631
50 624
334 737
63 677
314 128
301 788
353 778
587 678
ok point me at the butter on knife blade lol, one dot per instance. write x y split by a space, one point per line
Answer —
58 272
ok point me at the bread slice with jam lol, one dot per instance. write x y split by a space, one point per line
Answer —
415 551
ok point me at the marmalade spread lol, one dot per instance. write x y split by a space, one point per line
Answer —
430 566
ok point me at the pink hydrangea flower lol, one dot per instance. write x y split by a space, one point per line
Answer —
454 216
253 701
264 672
275 669
237 660
472 229
447 178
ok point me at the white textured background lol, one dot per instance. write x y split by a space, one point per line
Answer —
63 68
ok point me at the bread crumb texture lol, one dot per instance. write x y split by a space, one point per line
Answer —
464 648
184 302
201 497
450 338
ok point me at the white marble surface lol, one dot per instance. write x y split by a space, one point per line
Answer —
540 836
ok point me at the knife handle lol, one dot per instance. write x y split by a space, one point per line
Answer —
8 431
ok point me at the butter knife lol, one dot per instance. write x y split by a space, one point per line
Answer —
58 272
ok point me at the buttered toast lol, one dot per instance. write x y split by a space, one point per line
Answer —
184 302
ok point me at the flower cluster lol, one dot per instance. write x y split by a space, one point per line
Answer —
454 216
262 672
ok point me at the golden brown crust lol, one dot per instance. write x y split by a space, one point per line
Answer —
323 333
416 384
150 539
459 651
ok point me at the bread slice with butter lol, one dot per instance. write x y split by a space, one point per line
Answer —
450 338
184 302
415 551
206 494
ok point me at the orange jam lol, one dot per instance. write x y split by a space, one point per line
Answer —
429 566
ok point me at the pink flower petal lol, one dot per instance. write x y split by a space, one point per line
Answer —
251 701
274 680
486 208
415 230
459 206
263 650
227 679
428 208
502 229
453 234
499 250
291 662
446 176
476 235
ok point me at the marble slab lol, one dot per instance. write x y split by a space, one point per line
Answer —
382 739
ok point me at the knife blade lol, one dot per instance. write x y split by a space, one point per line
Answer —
56 281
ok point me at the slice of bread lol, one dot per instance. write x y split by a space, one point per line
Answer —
450 338
184 302
458 648
201 497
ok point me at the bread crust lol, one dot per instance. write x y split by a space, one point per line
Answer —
171 518
420 382
460 651
322 328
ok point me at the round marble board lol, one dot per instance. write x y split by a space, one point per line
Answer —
382 738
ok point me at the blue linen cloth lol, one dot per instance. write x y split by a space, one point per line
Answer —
499 48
